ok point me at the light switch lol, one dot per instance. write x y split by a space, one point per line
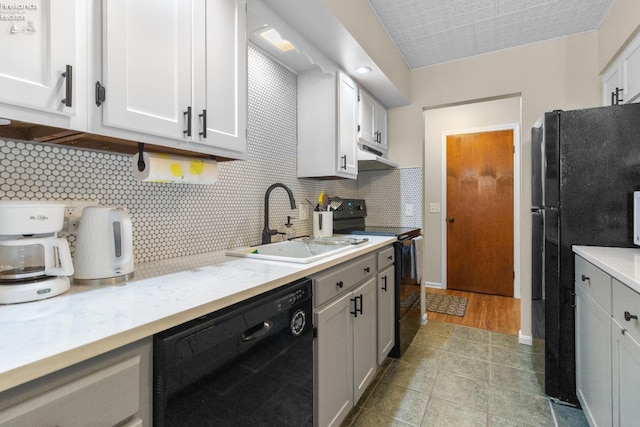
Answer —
408 209
434 207
304 212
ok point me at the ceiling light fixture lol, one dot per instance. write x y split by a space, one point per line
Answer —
363 70
275 39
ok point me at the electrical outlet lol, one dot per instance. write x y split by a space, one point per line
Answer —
73 212
408 209
303 211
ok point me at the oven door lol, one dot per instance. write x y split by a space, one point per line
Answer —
410 273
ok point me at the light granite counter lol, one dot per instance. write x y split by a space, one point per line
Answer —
622 264
41 337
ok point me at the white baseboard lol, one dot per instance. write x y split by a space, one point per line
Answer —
435 285
525 339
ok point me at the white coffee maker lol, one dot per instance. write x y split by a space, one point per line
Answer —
34 263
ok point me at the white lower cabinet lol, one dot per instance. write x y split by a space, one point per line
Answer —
607 347
625 334
593 359
110 390
386 306
346 348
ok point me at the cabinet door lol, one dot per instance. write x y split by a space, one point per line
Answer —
333 362
366 113
220 74
381 127
626 377
347 127
147 65
365 349
593 359
630 70
386 312
612 81
38 44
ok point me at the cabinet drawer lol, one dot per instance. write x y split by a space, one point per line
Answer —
595 282
626 299
105 397
386 257
342 278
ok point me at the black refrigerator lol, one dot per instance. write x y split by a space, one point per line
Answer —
585 168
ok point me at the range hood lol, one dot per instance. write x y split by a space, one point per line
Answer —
370 159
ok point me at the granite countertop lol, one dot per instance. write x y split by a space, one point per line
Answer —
622 264
41 337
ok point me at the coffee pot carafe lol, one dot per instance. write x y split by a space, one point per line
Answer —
34 263
104 247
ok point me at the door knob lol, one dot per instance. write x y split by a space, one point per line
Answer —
451 219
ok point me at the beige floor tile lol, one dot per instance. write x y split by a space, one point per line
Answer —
472 349
368 418
471 334
443 413
511 342
517 379
398 402
415 377
465 391
426 356
439 328
430 340
497 421
465 366
516 405
517 359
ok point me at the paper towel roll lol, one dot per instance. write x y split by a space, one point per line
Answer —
160 167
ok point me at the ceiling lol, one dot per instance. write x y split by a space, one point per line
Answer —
429 32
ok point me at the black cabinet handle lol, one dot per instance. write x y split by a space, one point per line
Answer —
585 278
628 316
203 116
390 258
68 81
344 162
618 99
340 284
357 310
367 269
613 98
384 287
188 115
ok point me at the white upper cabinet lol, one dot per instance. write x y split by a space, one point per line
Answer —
177 70
147 66
327 125
372 122
621 81
42 71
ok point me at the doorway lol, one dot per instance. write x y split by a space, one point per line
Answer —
480 215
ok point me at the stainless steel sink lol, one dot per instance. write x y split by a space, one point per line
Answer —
303 250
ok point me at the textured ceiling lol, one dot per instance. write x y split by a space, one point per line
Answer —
429 32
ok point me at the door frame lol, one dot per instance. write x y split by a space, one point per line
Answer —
515 127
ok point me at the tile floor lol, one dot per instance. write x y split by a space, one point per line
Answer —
458 376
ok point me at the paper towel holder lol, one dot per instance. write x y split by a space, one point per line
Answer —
141 164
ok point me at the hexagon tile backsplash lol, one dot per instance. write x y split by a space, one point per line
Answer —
172 220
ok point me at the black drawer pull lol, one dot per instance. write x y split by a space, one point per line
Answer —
585 278
340 284
384 288
390 258
628 316
367 269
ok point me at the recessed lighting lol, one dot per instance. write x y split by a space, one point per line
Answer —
275 39
363 70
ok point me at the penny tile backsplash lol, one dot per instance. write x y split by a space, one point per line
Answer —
172 220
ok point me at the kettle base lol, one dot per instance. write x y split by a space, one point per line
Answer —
102 281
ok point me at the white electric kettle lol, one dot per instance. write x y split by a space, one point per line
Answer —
104 247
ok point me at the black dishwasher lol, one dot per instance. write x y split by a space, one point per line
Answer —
250 364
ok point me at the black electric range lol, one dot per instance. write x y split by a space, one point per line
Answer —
349 218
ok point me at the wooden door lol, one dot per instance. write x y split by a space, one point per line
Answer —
480 212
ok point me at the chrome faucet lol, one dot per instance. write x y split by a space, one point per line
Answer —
266 232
